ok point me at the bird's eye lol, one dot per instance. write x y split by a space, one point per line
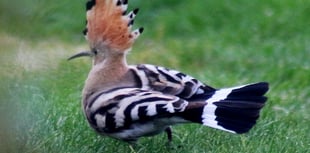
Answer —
95 51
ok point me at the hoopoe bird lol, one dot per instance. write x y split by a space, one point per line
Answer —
127 102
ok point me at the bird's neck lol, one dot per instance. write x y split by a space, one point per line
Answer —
106 73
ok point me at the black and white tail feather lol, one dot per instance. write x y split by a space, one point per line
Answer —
235 109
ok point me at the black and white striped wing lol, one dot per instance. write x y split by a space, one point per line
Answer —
120 111
170 81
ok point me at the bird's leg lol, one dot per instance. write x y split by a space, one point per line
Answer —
168 130
131 142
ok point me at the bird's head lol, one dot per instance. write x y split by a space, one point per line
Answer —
108 29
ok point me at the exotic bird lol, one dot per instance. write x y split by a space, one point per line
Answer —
127 102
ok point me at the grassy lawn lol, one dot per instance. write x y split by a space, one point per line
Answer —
224 43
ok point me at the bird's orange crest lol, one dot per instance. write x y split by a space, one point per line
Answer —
109 24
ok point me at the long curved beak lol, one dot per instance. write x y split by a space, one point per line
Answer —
81 54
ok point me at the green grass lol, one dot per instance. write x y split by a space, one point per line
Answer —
224 43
